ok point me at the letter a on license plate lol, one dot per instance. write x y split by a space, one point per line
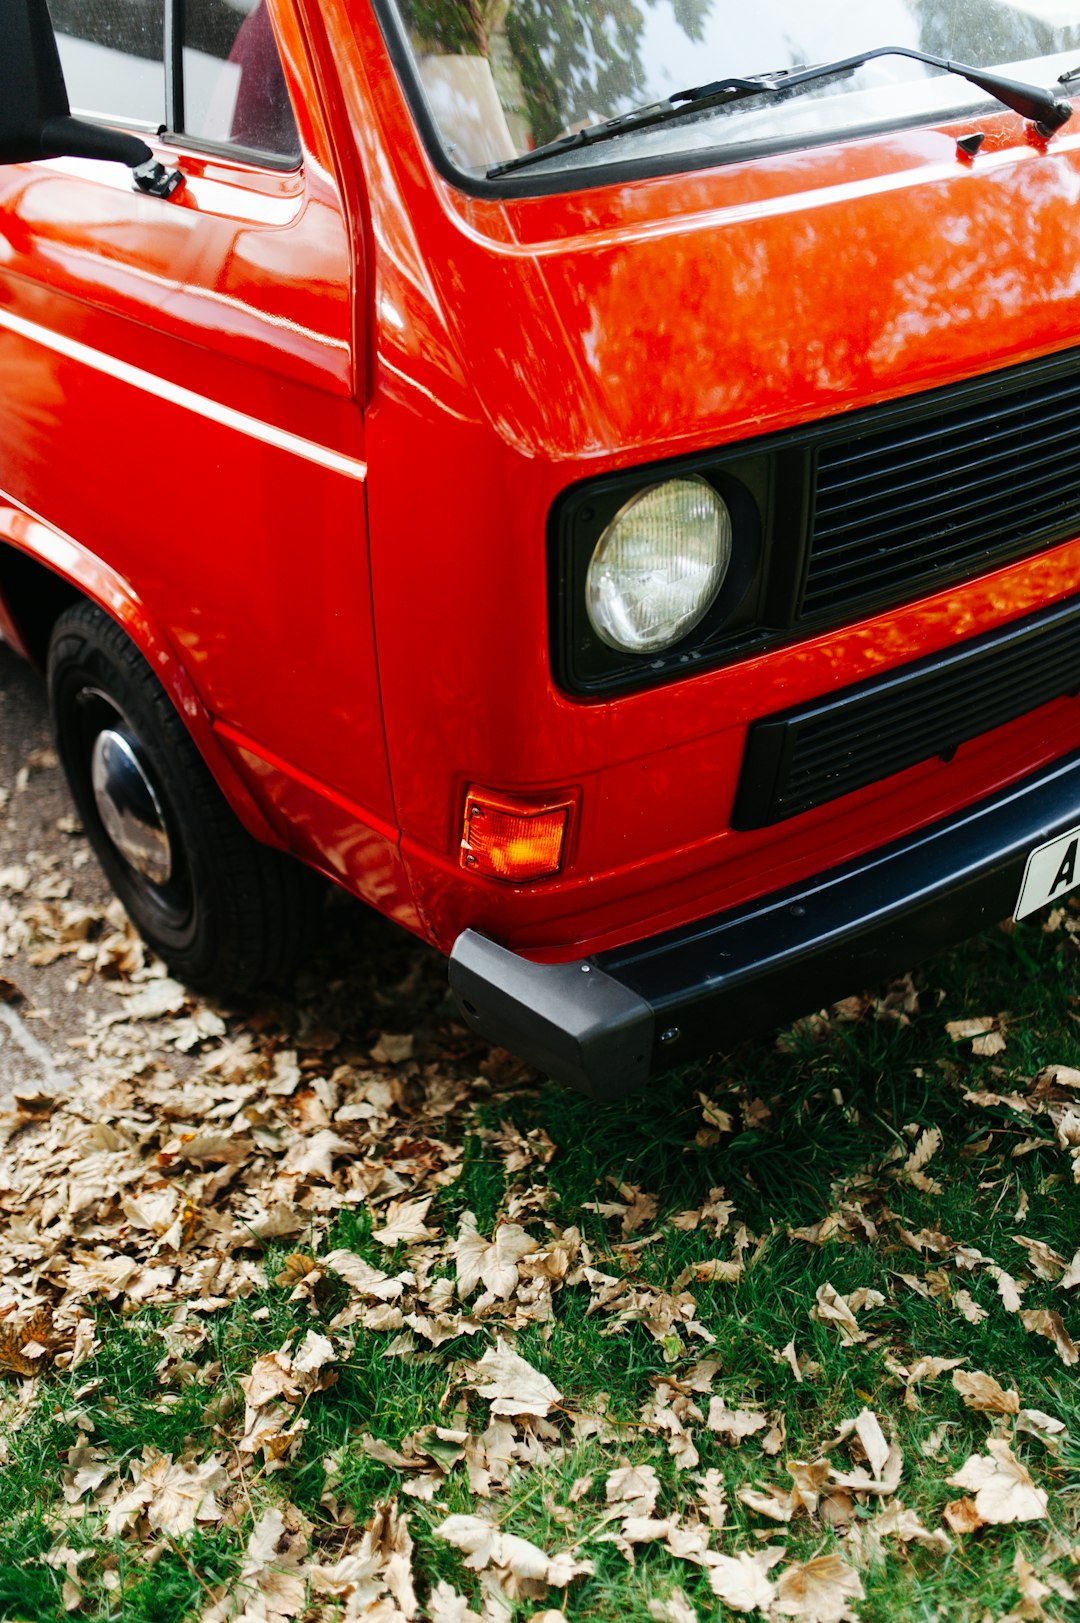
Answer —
1052 871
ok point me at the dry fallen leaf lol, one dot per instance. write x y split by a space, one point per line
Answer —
741 1581
895 1521
963 1516
1045 1322
520 1568
675 1609
393 1048
832 1308
512 1385
635 1487
734 1424
867 1428
818 1591
494 1261
983 1392
405 1224
24 1346
272 1585
1001 1484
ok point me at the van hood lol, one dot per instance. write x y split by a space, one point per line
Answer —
681 312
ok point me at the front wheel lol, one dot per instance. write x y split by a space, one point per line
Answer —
223 911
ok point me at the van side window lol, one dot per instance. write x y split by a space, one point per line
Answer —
113 59
234 89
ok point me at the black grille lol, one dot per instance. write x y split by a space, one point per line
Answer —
831 747
965 484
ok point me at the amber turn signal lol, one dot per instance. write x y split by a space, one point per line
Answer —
510 839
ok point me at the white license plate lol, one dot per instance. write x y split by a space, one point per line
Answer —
1052 871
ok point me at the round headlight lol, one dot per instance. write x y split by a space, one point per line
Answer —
658 566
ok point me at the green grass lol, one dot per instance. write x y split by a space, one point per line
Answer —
835 1108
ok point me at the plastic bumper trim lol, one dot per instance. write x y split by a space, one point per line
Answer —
606 1024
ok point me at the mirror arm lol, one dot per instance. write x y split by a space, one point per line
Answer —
64 137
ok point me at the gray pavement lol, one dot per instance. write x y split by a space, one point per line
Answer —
365 976
43 861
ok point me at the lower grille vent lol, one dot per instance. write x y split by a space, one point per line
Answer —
813 754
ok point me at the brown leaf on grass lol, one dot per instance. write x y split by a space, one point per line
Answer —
635 1487
272 1585
520 1569
445 1605
923 1369
24 1346
775 1438
1007 1288
405 1224
963 1516
380 1567
715 1213
171 1495
973 1029
511 1384
711 1270
809 1480
983 1392
863 1483
926 1147
634 1206
712 1499
734 1424
741 1581
1002 1486
1046 1263
1036 1423
675 1609
1071 1277
1032 1590
818 1591
1043 1321
895 1521
962 1030
777 1504
370 1283
969 1307
1059 1076
494 1261
866 1427
832 1308
673 1412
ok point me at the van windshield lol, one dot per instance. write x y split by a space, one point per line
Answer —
501 77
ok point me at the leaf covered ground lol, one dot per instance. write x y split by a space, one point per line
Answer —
318 1309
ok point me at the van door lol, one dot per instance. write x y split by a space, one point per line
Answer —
180 376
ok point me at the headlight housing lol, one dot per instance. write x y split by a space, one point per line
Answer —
658 571
659 565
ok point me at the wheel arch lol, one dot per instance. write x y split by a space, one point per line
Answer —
43 572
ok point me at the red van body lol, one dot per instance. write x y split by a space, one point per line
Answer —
309 435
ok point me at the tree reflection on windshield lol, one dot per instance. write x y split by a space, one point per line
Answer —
504 76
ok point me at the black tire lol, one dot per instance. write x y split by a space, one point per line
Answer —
231 913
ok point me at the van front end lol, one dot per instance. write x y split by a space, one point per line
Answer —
737 662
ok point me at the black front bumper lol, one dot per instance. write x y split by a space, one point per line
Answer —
606 1024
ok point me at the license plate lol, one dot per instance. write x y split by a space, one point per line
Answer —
1052 871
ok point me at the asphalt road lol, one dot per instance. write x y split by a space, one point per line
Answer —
50 1003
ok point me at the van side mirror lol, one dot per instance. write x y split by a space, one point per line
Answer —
35 115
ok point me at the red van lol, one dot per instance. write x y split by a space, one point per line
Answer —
600 489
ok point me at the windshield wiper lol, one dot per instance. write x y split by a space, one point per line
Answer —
1047 111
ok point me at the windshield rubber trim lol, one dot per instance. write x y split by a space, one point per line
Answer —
537 182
